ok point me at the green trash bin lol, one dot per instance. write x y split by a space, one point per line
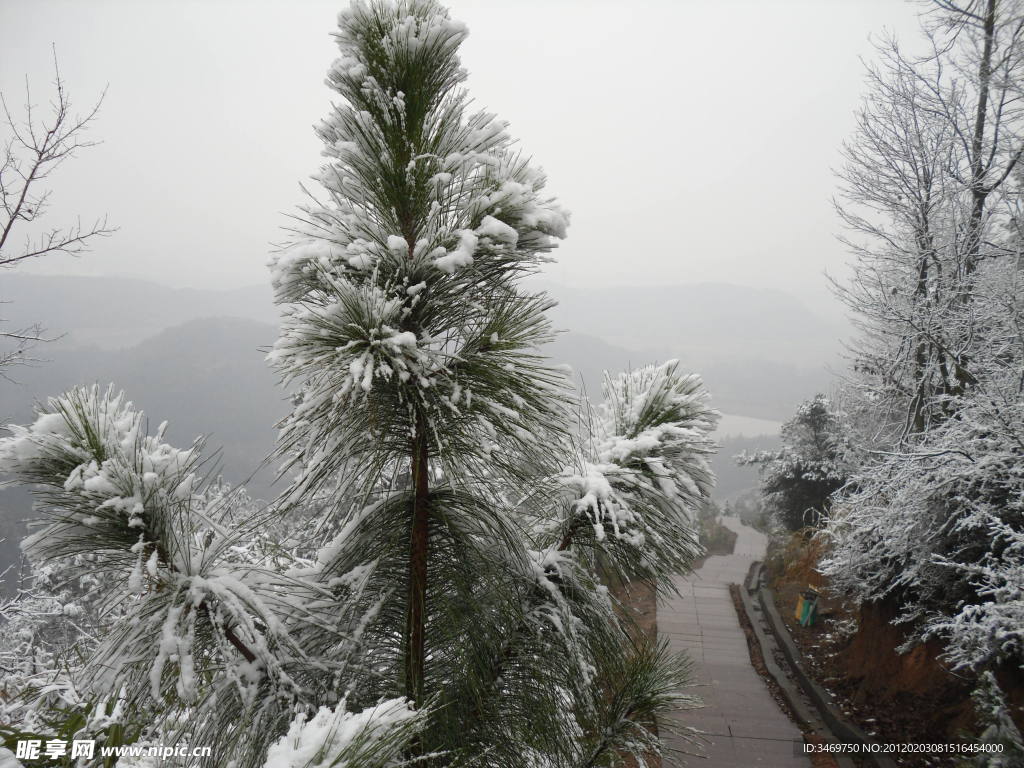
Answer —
807 607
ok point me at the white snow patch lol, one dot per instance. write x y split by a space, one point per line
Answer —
461 256
319 742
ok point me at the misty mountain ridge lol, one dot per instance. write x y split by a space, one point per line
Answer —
196 359
703 324
120 312
205 377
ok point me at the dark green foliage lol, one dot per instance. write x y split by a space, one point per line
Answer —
799 480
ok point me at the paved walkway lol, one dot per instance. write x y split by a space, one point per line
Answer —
744 726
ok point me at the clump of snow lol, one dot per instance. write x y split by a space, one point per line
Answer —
28 444
334 737
607 510
398 244
497 230
461 256
359 254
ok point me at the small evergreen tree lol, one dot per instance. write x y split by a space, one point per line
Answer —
440 599
412 341
798 481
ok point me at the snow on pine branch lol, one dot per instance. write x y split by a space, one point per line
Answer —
376 737
108 488
648 473
181 603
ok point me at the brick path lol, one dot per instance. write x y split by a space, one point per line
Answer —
743 724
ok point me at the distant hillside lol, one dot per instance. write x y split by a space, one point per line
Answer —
116 312
760 351
206 376
195 359
707 323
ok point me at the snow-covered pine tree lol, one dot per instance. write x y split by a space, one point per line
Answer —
452 613
424 399
408 331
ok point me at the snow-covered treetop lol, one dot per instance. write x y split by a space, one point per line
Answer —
399 289
420 187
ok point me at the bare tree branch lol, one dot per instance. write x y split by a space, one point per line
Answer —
32 150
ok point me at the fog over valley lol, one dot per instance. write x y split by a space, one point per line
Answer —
191 350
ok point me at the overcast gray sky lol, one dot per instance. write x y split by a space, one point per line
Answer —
692 140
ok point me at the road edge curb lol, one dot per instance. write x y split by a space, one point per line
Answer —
841 729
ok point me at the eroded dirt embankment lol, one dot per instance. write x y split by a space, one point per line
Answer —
898 697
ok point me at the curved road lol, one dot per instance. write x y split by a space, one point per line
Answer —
742 724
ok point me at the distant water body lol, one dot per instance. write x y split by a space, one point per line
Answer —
747 426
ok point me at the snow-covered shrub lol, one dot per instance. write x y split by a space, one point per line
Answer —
936 523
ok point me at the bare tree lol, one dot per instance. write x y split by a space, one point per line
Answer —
933 197
937 142
34 147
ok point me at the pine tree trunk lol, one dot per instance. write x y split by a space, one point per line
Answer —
415 645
